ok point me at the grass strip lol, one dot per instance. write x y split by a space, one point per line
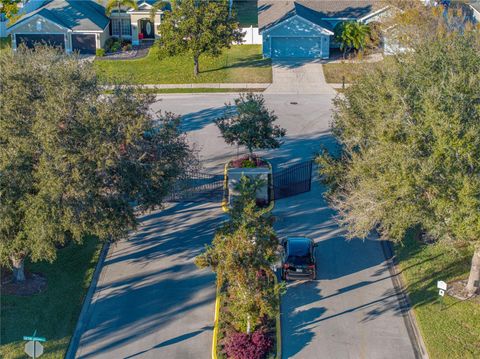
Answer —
451 330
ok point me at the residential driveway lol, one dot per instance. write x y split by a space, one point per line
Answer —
351 310
298 77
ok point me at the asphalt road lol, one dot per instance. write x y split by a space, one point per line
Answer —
351 310
152 302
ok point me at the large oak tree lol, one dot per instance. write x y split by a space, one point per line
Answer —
73 161
410 145
198 27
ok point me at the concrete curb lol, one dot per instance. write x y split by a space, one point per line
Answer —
413 330
278 325
82 318
215 325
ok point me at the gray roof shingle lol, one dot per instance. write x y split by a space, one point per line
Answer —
76 15
272 12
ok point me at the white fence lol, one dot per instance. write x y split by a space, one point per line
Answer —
251 37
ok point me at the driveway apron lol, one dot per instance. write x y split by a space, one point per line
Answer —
298 77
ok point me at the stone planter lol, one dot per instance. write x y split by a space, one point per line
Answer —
233 175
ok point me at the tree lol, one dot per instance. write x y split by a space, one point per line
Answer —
117 5
196 28
242 254
249 123
410 146
72 160
9 8
351 35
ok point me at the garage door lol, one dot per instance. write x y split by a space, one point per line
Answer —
84 43
30 40
307 47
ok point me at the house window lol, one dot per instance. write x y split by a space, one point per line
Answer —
126 27
122 25
116 27
39 25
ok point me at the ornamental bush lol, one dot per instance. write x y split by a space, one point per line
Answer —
248 346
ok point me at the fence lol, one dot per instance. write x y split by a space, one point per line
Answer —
198 186
252 36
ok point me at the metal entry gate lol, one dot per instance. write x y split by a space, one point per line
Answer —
293 180
198 186
208 187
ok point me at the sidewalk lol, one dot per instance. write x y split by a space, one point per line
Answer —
247 85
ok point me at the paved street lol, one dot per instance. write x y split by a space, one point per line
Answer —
152 302
351 310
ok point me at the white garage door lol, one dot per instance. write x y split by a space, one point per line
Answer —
308 47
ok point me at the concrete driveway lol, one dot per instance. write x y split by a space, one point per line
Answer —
298 77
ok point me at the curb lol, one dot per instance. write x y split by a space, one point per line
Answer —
413 330
278 325
82 318
215 325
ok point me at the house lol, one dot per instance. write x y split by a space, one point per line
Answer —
82 25
305 28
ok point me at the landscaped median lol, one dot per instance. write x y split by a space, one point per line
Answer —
242 254
239 64
450 329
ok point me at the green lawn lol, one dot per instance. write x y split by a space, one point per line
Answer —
54 312
247 12
242 63
453 332
334 72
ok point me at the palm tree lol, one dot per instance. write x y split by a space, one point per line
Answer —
351 34
117 5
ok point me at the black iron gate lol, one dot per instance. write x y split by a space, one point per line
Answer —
293 180
197 186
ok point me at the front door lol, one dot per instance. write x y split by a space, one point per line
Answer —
146 28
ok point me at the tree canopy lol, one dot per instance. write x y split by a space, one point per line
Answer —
74 161
198 27
249 123
410 145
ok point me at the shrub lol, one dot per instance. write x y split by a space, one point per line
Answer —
115 46
245 346
126 47
100 52
108 44
247 162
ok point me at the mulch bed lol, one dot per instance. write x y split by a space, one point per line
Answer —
457 290
34 283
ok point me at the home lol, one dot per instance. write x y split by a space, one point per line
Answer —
83 25
305 28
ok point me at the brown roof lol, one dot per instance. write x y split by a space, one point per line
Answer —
271 12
